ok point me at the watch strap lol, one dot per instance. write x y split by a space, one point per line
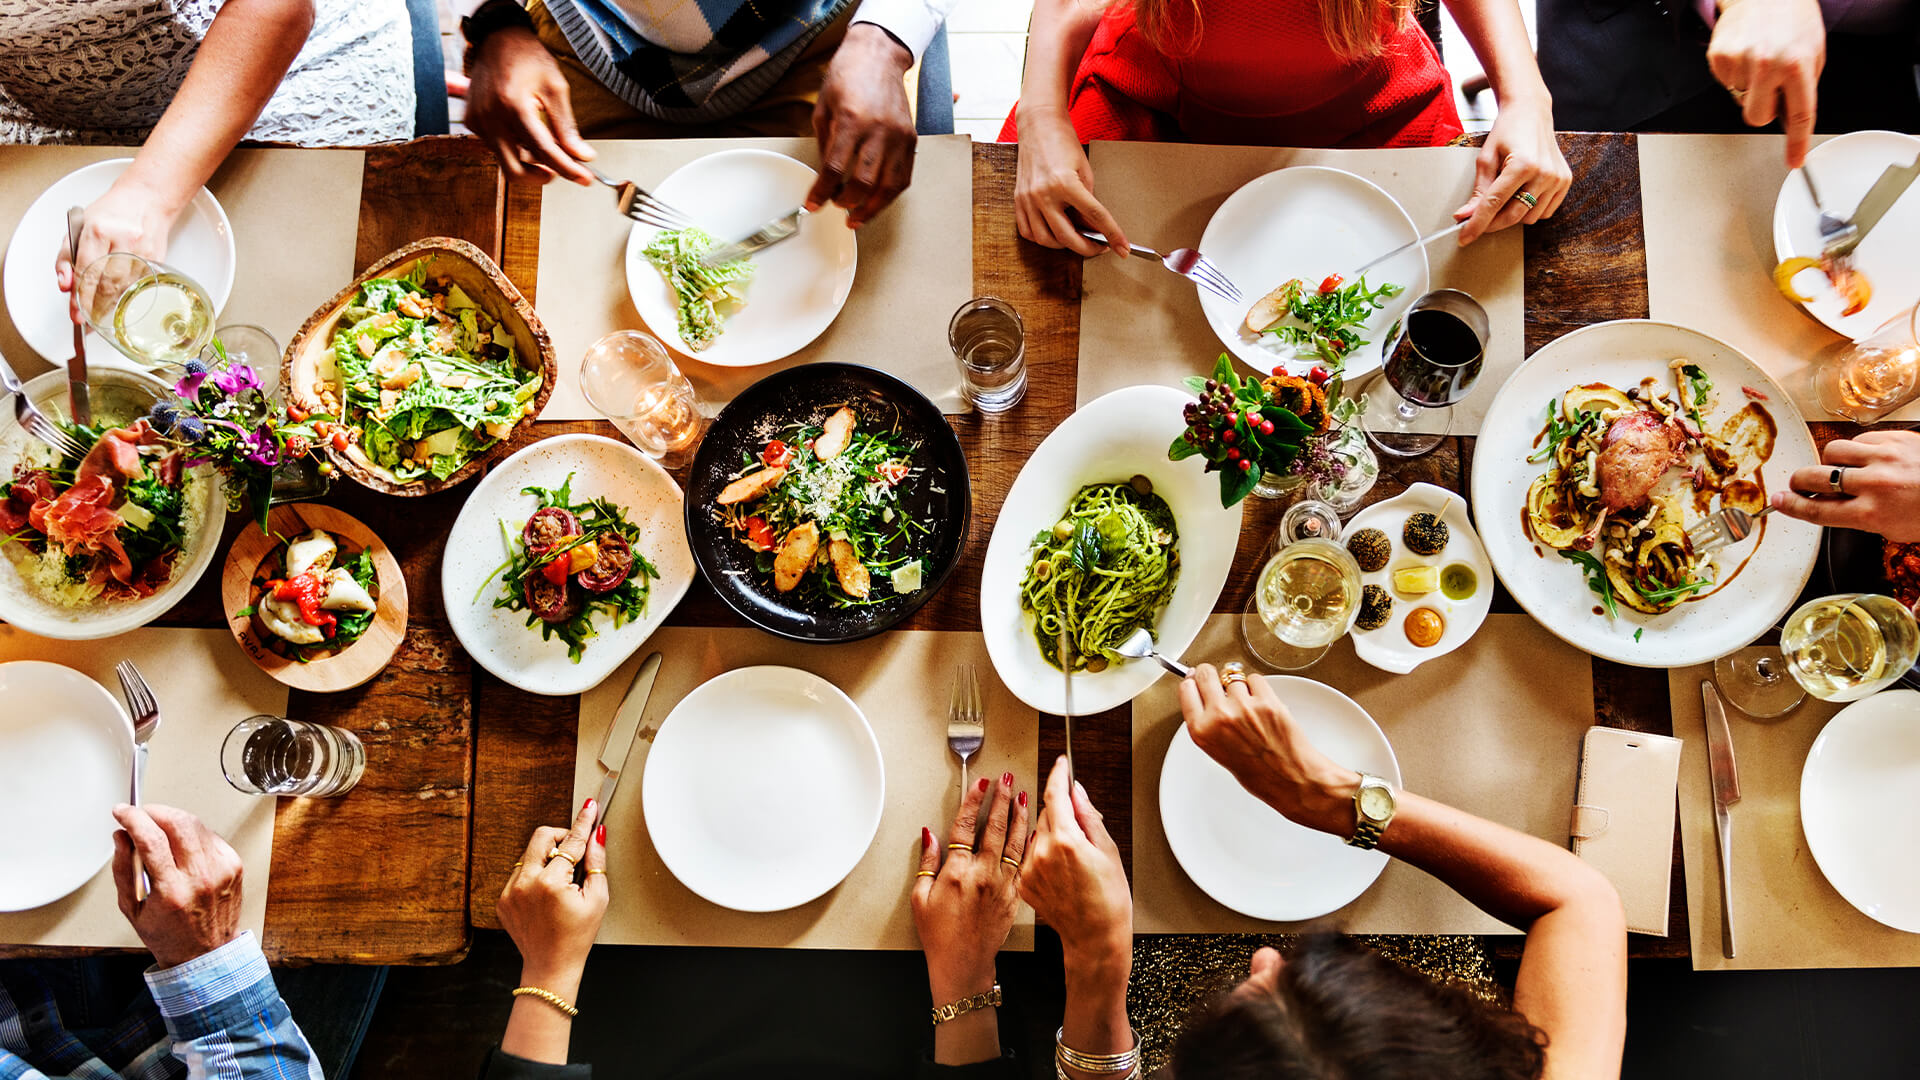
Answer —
1366 835
1367 831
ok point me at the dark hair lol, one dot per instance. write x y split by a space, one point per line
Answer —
1344 1012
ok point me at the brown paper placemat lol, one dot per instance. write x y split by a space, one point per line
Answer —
1493 728
900 680
1785 914
295 215
915 270
204 685
1707 201
1165 193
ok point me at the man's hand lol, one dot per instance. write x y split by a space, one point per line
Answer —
864 126
1882 486
519 105
194 907
1770 53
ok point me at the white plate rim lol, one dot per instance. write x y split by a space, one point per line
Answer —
1825 308
1850 723
1464 617
84 685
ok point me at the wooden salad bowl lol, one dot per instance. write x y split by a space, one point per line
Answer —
480 277
352 665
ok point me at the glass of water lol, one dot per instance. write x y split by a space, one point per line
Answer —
628 378
990 344
270 755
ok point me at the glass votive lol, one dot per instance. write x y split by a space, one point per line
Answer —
628 378
1869 378
989 343
271 755
253 346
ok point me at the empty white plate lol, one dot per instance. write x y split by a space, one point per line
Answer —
66 749
1242 852
1860 806
200 246
763 788
798 286
1845 168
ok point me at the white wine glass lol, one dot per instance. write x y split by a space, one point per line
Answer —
1756 681
1305 599
1865 380
1851 645
146 309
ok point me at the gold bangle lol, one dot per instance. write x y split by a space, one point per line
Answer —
1127 1061
989 999
549 997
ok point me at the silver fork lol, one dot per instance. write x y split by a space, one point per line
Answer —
1186 262
966 719
639 204
146 721
34 421
1729 526
1835 230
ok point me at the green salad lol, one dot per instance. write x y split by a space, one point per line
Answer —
707 294
429 378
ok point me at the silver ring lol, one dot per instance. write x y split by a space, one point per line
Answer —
1739 95
1836 478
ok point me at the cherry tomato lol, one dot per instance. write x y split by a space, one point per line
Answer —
556 570
1331 283
759 534
892 472
776 455
1319 375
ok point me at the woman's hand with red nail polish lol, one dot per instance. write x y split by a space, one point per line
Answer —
965 899
551 919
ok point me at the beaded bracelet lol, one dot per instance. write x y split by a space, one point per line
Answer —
987 1000
549 997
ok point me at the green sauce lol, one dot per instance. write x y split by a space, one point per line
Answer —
1457 582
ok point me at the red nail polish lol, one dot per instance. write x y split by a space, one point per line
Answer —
1023 798
983 783
600 835
588 805
1007 779
926 836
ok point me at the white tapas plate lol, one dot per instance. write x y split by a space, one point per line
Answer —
500 639
1867 759
1844 168
1776 561
1307 222
1108 440
1387 647
200 246
764 788
1242 852
798 286
66 750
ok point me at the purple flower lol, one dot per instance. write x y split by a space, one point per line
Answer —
233 380
189 387
262 447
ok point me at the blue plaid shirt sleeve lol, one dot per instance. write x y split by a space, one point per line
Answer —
227 1020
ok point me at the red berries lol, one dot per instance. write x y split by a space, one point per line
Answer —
1246 466
1266 427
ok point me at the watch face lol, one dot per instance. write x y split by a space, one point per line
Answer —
1376 803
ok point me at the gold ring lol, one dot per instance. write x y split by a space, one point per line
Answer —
1528 198
518 865
1739 95
556 853
1010 861
591 871
959 847
927 873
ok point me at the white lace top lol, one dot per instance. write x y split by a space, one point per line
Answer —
102 71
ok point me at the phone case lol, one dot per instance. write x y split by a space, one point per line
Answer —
1623 818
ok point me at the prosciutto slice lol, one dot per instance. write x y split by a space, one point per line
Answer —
82 521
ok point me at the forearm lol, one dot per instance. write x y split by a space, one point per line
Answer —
1498 35
245 1031
536 1030
1058 38
1095 1017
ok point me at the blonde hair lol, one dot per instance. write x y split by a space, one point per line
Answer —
1355 29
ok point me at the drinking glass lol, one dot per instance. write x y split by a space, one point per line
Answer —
1756 681
1305 599
244 343
629 378
146 309
1869 378
990 344
1845 647
1435 357
271 755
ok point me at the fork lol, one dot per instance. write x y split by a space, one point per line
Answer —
639 204
1835 230
1186 262
146 721
966 719
1729 526
34 421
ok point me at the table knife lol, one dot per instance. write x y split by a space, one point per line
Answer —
618 742
79 402
784 227
1880 198
1726 792
1063 651
1419 242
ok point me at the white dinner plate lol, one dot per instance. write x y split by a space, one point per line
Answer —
500 639
798 286
1107 440
1865 767
200 246
1553 589
1844 167
1387 648
1242 852
66 749
764 788
1307 222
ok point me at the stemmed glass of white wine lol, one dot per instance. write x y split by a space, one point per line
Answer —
1837 648
1305 599
148 310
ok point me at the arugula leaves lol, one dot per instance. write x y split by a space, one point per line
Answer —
1597 580
1695 390
1331 316
1560 430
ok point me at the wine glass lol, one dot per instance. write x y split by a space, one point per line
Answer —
628 378
1837 648
244 343
1305 599
1756 681
1865 380
149 311
1436 355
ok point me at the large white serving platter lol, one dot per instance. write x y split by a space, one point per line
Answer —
66 753
1844 168
1865 766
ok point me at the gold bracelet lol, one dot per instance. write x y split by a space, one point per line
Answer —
951 1010
549 997
1127 1061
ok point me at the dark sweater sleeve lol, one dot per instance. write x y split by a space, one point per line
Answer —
501 1065
1004 1067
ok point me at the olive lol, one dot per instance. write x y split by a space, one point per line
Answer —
1096 663
1063 529
1140 484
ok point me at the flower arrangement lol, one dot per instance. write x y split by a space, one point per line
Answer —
1285 425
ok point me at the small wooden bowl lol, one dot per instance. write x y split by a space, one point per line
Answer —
352 665
474 272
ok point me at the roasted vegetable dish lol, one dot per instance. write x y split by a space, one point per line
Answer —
569 561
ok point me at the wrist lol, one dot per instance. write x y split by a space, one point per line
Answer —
559 979
1322 801
879 43
1098 970
947 987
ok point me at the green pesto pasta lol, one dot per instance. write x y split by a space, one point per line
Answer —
1103 571
701 290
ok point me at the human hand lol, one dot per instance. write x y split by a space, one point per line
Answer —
1769 54
130 217
864 126
1073 879
1054 177
964 904
1520 155
550 919
518 103
1247 729
194 905
1882 486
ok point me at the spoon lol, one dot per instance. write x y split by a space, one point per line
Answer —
1140 647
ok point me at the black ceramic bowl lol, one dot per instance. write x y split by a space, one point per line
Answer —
938 495
1854 566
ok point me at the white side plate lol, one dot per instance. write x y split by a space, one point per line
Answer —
66 751
1866 762
1388 648
1844 168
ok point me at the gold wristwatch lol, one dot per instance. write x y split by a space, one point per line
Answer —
1372 811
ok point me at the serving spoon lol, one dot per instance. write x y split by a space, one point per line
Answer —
1139 646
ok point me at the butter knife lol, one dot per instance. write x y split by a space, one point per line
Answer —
1726 792
79 403
1880 198
1063 651
784 227
617 745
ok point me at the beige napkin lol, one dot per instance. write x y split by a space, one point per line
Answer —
204 685
1164 193
295 215
900 681
1785 914
916 269
1707 203
1493 728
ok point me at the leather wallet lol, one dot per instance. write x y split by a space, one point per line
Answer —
1623 817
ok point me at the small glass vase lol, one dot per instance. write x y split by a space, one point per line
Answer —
1275 485
299 479
1362 470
